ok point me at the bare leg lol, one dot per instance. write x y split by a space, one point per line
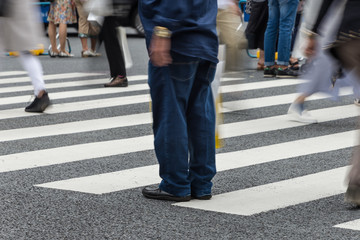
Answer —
52 37
62 36
84 44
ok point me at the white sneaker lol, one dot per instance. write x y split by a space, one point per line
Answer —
297 115
357 102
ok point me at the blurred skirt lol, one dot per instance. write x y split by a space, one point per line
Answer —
62 11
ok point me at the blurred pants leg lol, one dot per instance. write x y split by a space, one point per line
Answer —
227 23
112 47
34 69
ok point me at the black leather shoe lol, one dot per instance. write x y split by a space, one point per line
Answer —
156 193
117 82
39 104
204 197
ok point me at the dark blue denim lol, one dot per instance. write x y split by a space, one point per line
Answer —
281 21
184 124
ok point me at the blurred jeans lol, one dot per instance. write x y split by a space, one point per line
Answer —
280 24
184 124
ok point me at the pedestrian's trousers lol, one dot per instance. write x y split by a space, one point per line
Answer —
184 124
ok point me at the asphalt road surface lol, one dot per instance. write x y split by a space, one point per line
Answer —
77 171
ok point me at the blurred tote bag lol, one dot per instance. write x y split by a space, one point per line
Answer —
121 31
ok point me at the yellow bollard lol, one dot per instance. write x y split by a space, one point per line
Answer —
258 55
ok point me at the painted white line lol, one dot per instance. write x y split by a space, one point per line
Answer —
78 106
260 85
85 83
274 100
119 101
352 225
80 152
282 122
225 161
75 127
226 130
12 73
276 195
229 79
48 77
76 93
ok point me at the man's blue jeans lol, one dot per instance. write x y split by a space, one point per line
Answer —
281 21
184 124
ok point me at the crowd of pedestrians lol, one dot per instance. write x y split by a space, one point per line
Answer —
182 39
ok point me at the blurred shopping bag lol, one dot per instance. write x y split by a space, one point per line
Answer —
121 31
215 86
99 7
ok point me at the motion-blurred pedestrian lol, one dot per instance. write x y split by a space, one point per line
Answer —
20 31
345 49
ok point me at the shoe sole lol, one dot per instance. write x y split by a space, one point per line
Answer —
205 197
168 198
286 76
117 85
269 76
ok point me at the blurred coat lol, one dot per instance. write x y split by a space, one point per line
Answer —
21 29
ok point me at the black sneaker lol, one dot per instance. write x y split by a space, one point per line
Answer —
285 73
269 72
39 104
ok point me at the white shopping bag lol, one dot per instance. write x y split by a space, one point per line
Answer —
99 7
215 86
124 47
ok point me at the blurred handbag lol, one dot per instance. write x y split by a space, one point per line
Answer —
4 8
121 31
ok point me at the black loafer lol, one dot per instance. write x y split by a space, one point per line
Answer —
204 197
157 193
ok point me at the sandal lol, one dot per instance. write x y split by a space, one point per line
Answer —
260 66
294 65
65 54
53 54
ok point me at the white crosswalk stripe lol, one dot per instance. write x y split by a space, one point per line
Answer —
245 201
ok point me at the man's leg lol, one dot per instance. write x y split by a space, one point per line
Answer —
170 88
201 131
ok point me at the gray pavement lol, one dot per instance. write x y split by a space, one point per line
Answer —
33 212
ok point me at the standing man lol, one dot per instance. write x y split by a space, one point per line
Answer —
182 45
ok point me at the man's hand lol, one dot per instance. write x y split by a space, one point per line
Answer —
310 48
160 51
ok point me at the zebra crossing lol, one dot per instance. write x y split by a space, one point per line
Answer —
246 201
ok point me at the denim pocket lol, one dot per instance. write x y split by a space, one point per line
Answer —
182 71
